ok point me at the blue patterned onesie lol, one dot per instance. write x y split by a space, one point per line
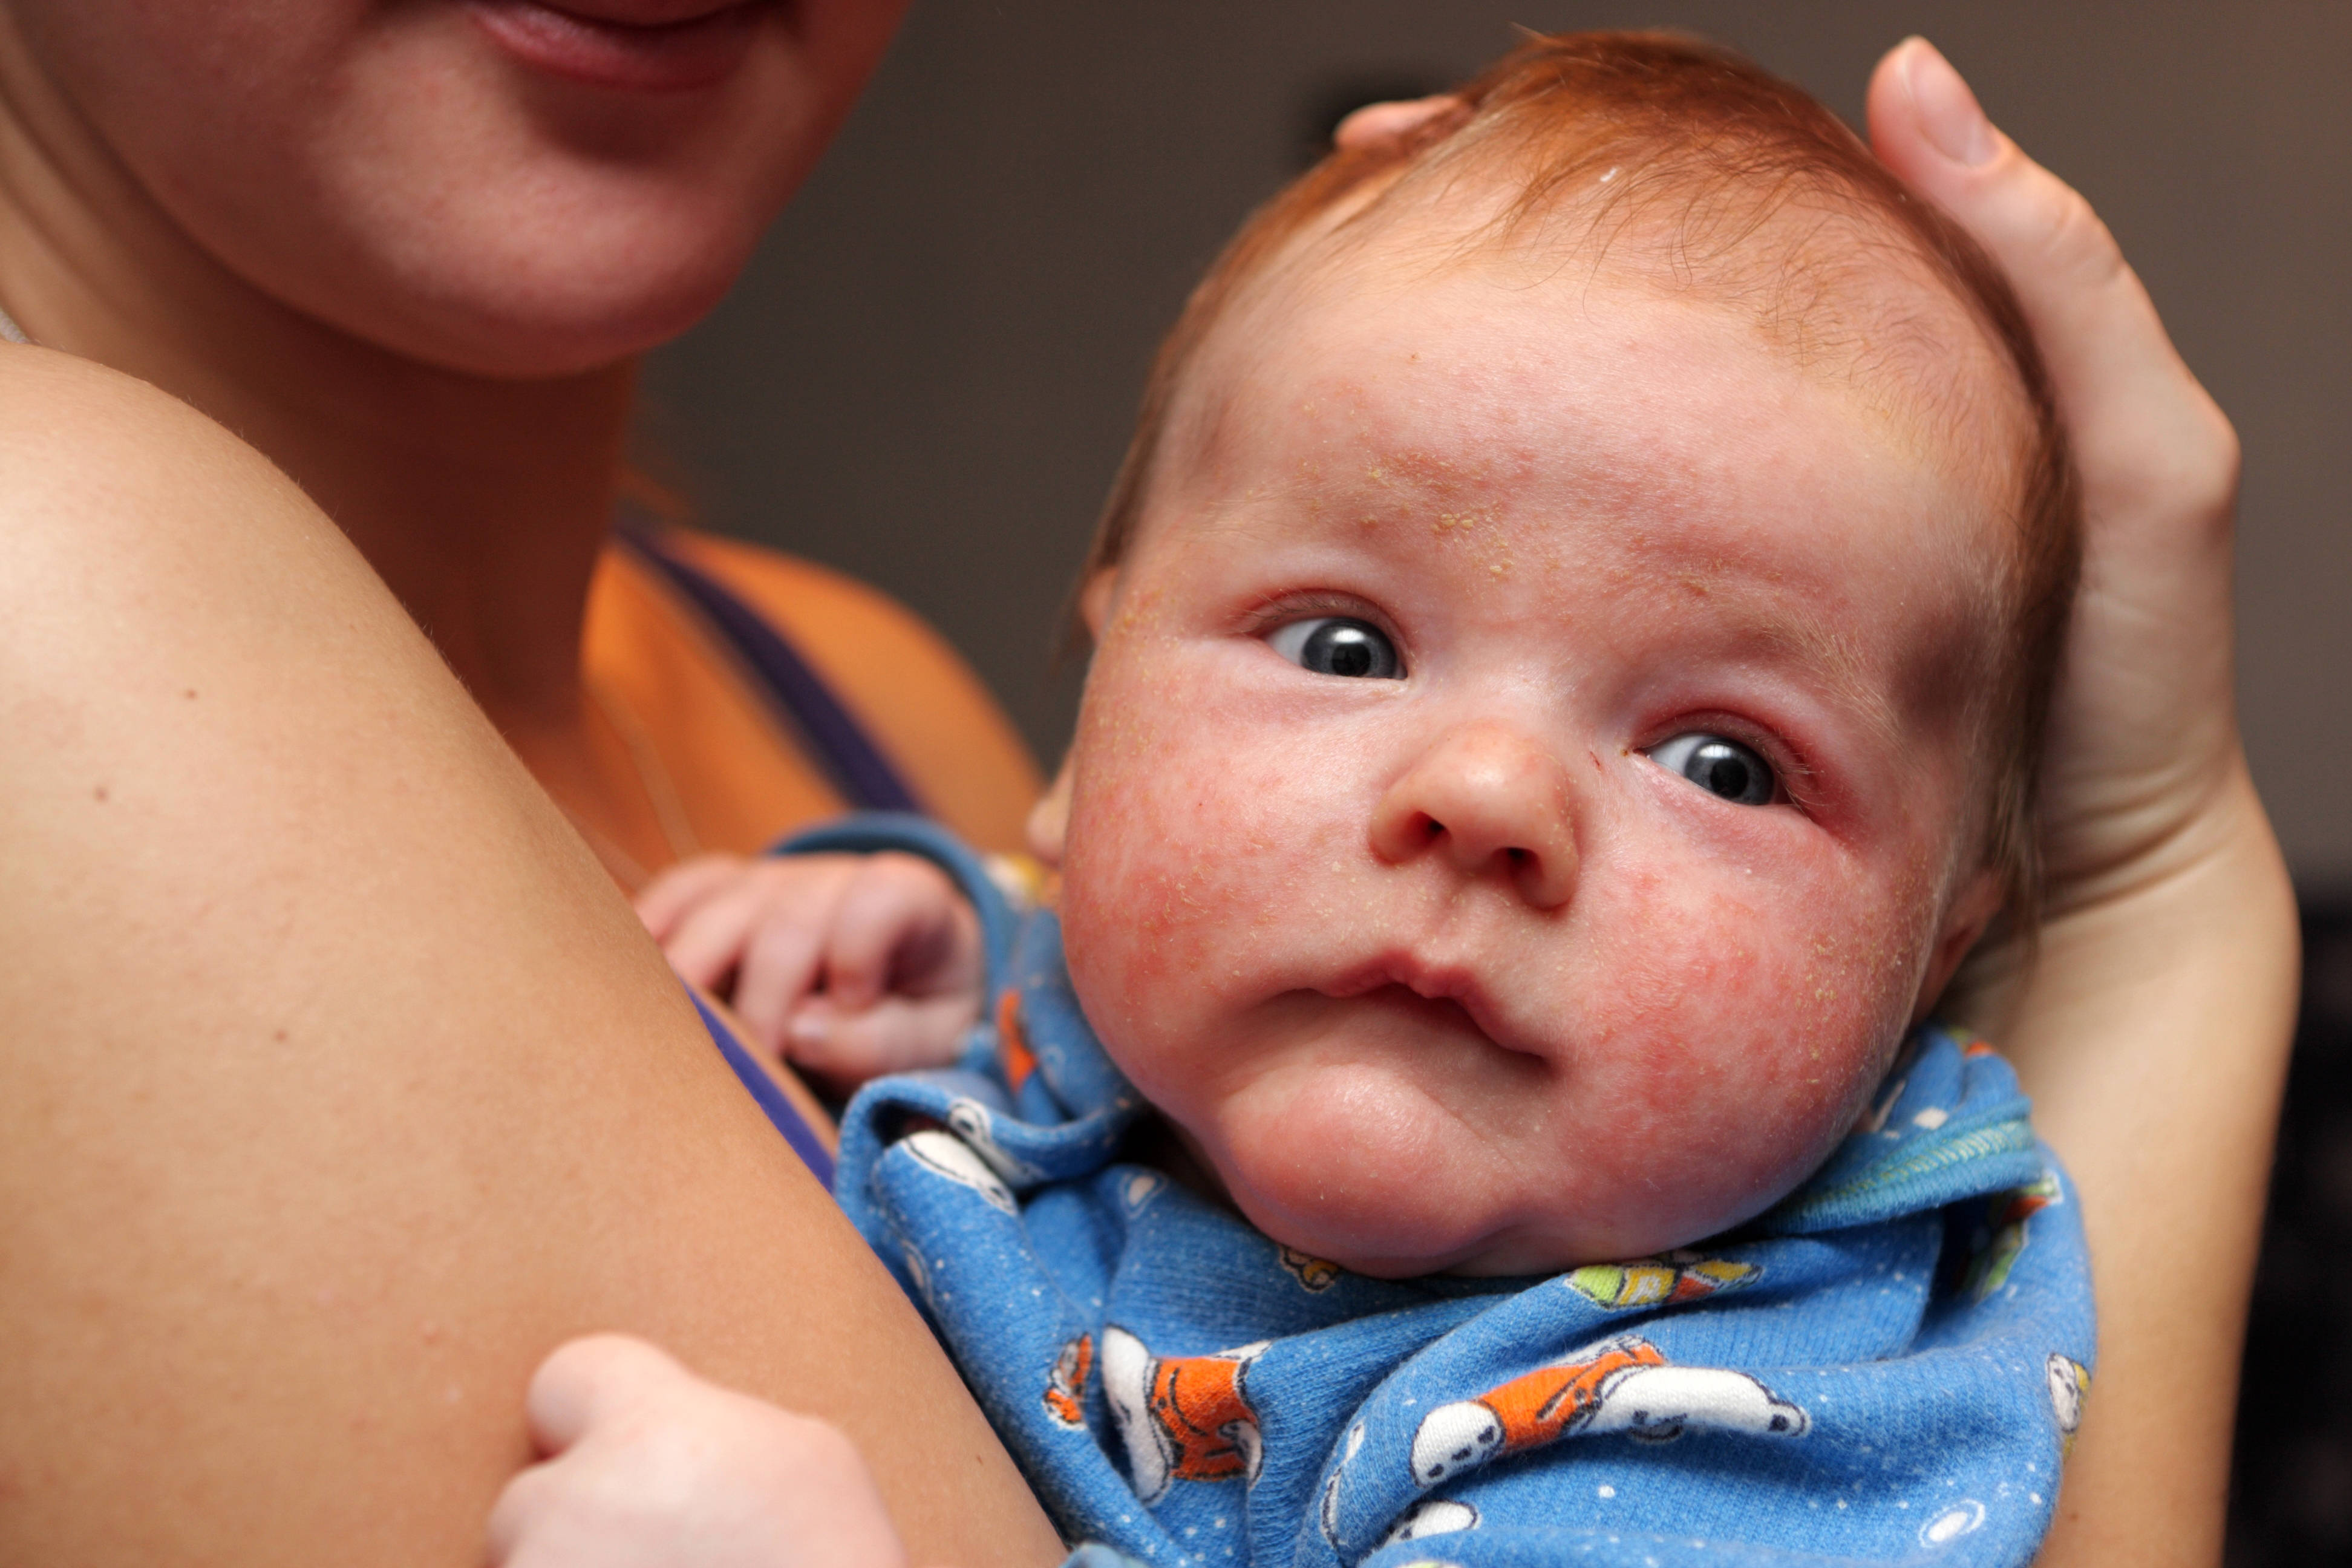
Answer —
1888 1366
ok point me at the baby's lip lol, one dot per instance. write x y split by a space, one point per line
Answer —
1437 981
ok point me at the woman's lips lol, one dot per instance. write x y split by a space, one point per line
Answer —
645 45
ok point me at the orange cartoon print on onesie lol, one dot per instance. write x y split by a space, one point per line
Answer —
1180 1417
1012 1052
1066 1390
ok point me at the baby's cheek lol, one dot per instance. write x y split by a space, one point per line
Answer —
1174 842
1731 1046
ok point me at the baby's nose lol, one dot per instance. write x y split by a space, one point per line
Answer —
1491 803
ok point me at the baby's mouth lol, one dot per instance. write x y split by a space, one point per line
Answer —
1448 999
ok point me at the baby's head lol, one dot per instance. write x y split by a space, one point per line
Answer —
1572 633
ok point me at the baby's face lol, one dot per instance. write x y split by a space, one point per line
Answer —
1526 780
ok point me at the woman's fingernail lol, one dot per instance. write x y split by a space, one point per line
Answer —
808 1029
1949 112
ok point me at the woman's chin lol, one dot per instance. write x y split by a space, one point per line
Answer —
529 316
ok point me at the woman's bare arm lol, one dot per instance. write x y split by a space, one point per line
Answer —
337 1084
2154 1031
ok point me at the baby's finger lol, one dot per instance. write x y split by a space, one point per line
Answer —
895 1034
663 901
780 968
2138 416
707 942
901 926
587 1381
514 1519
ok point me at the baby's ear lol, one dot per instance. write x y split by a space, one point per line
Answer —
1094 602
1964 921
1049 819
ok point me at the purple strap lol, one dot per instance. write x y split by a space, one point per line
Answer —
831 738
771 1099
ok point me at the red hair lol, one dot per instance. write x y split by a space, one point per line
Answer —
1715 154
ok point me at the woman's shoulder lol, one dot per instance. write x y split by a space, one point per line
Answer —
918 698
109 469
70 426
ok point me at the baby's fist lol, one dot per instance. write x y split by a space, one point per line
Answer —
846 966
647 1466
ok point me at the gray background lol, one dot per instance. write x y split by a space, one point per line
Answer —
927 376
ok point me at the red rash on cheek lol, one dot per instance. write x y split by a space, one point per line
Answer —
1152 850
1724 1044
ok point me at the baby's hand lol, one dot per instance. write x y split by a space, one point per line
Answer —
847 966
649 1466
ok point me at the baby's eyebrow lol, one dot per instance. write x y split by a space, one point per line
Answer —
1771 625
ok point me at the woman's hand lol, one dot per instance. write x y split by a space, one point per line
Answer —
2153 1032
2143 740
847 966
647 1466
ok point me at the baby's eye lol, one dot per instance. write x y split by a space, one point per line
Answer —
1337 644
1719 766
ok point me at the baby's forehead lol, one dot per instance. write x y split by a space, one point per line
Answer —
1892 346
1830 287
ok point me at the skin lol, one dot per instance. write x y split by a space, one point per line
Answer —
412 268
845 966
367 1087
226 1339
1446 971
653 1466
342 1086
463 204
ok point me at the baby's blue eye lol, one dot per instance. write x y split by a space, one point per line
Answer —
1718 766
1337 644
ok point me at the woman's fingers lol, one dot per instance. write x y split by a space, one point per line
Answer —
2141 424
1389 121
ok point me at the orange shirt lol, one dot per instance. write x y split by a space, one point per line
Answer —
720 769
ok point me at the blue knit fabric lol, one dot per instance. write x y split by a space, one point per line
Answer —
1886 1367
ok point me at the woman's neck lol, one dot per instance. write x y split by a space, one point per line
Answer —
481 502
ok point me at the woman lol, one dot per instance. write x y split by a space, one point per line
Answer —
339 1086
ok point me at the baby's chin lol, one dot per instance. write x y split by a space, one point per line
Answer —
1312 1176
1394 1241
1382 1234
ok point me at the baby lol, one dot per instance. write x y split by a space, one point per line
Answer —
1571 636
